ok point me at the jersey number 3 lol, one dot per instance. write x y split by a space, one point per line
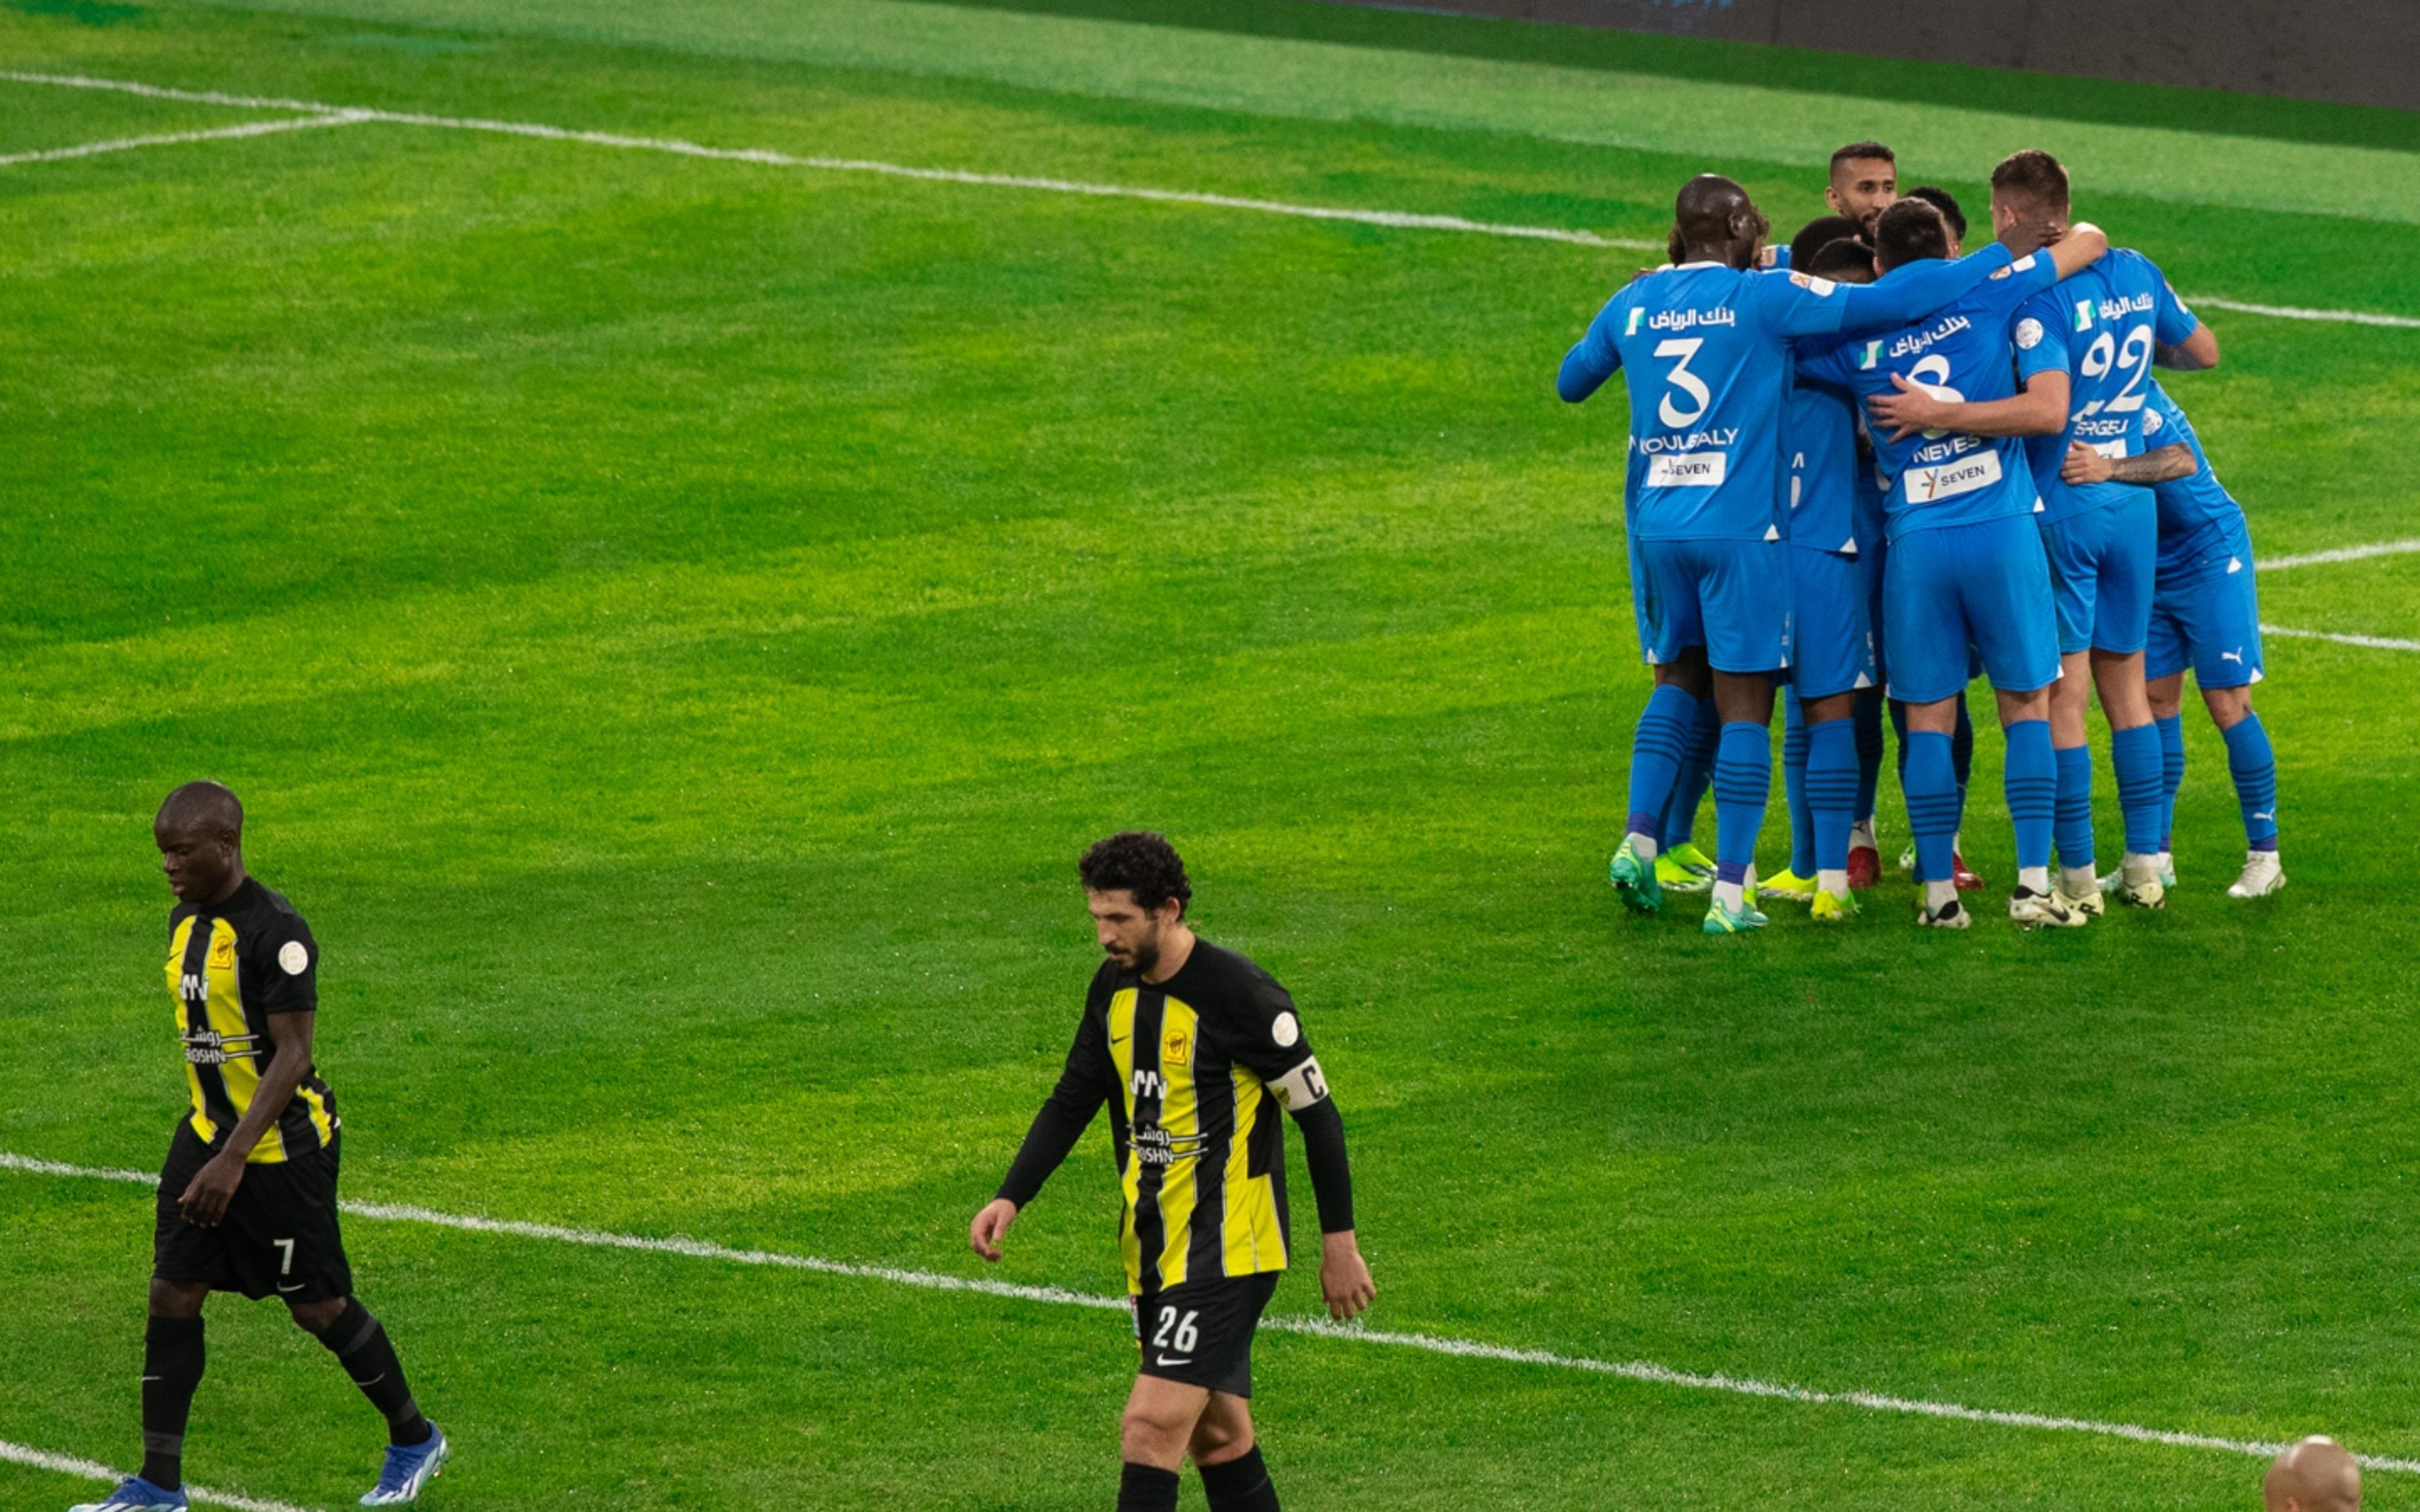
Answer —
1684 380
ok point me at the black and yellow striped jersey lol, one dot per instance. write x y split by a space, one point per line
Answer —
1197 1071
233 967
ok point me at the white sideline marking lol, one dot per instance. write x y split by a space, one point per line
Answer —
2374 642
125 144
1429 1343
94 1470
1400 220
2342 553
2288 312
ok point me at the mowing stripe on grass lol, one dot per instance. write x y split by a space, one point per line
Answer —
1401 220
1638 1370
18 1454
2342 553
127 143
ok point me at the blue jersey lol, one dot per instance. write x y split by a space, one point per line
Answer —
1941 478
1820 430
2193 510
2101 328
1707 350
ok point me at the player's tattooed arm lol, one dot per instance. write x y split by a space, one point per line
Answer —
2084 464
204 1199
2196 353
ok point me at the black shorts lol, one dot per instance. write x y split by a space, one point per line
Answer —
1201 1333
279 1238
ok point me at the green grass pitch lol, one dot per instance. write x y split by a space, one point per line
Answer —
675 620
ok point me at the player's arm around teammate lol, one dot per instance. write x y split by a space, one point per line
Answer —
1195 1049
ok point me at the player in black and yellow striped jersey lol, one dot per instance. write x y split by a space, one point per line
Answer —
1197 1052
247 1201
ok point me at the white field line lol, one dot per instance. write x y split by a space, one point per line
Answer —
2372 642
1428 1343
2289 311
125 144
2342 553
1404 220
18 1454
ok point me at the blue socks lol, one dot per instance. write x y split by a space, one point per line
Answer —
2073 826
1793 783
1932 782
1696 775
1743 777
1831 783
2254 766
2032 786
1655 752
2141 786
1869 720
2172 775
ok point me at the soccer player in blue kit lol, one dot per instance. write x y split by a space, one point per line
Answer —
1835 514
1707 346
2205 616
2093 343
1965 566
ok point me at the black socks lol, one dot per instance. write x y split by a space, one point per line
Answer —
1146 1489
172 1370
360 1344
1240 1484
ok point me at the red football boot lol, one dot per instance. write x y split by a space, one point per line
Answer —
1964 874
1865 867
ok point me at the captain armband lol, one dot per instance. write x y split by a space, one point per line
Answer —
1302 1087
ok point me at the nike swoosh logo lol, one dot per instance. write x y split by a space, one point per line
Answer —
296 1287
1120 1039
1165 1360
148 1379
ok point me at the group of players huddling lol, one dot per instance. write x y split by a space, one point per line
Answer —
1867 464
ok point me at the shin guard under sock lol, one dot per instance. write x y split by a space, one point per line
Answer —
2031 783
2172 775
172 1372
2253 765
360 1344
1931 800
1831 783
1240 1484
2073 818
1655 752
2134 753
1146 1489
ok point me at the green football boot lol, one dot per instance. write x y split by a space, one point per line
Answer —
1684 868
1634 878
1721 920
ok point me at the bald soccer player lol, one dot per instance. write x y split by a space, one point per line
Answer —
2315 1475
247 1200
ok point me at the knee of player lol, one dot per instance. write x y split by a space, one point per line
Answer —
1156 1433
2228 706
317 1317
177 1299
1218 1438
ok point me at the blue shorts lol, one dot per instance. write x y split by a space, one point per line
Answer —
2205 615
1952 590
1877 573
1831 639
2102 564
1731 597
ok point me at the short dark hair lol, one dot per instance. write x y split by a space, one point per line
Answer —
1140 862
1815 234
1846 259
1944 201
2033 176
1856 150
1911 231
